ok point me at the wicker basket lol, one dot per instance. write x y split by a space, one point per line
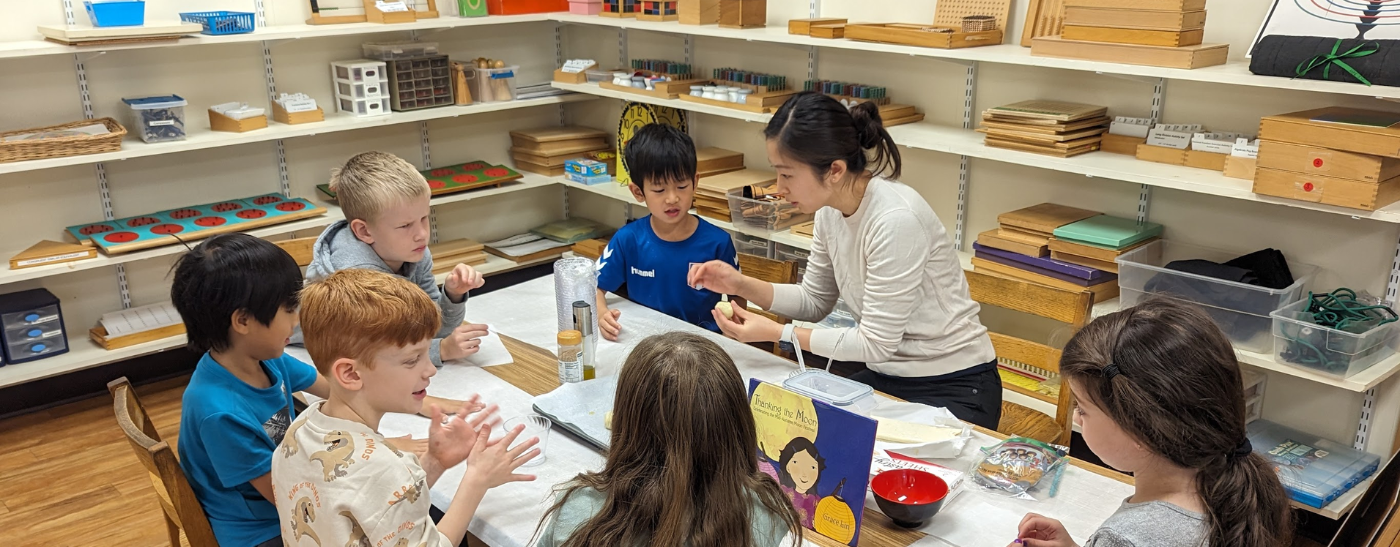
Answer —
979 23
62 146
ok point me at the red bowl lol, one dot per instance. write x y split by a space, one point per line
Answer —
909 496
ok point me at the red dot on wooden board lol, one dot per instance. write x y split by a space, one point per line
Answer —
1317 162
142 221
226 207
472 166
443 172
264 200
1307 186
167 229
464 179
185 213
120 237
94 229
496 172
290 206
252 213
435 184
209 221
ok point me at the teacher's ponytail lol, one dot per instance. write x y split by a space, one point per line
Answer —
817 130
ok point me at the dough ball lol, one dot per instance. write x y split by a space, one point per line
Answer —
726 308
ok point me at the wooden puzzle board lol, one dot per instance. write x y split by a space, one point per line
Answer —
457 178
951 12
191 223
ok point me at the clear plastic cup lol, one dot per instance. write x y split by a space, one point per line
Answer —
535 426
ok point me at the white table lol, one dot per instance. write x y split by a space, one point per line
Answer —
509 514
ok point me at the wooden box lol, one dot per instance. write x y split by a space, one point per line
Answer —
98 335
1121 144
280 115
1299 128
1196 56
658 10
698 12
1367 196
1135 19
1311 160
1152 5
718 160
760 102
829 32
1206 160
1161 154
580 77
1238 167
919 35
373 15
743 13
1165 38
554 141
803 27
662 90
220 122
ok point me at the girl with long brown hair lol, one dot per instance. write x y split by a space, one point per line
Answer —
1160 396
682 468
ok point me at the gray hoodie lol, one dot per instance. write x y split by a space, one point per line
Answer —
338 249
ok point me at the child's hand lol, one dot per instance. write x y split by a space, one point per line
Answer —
1041 531
464 341
493 463
450 406
461 279
747 326
717 276
451 436
609 324
406 443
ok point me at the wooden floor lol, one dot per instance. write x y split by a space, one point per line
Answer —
69 478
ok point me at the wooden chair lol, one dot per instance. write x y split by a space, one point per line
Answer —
301 249
772 271
182 510
1069 307
1373 522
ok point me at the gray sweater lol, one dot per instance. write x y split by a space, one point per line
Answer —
338 249
768 530
1151 524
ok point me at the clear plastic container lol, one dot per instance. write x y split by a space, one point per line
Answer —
390 51
764 215
1240 309
493 85
1313 470
829 388
19 353
595 75
1300 342
750 245
157 119
841 317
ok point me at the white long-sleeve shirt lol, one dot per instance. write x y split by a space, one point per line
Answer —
893 264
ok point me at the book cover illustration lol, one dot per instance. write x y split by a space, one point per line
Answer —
819 454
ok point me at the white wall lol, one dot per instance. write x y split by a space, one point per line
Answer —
1357 253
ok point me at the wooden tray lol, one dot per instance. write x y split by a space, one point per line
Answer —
664 90
1134 19
187 224
281 115
910 34
220 122
48 252
829 32
1196 56
1145 37
803 27
759 103
98 334
78 35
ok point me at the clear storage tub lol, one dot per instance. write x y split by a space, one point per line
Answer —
1300 342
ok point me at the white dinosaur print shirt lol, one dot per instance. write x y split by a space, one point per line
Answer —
338 483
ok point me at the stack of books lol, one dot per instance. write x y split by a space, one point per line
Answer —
545 150
1019 249
1046 127
448 254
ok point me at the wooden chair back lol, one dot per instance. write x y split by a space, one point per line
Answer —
772 271
1373 522
182 510
1072 308
301 249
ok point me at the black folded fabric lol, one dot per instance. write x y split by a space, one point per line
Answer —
1213 270
1281 56
1269 267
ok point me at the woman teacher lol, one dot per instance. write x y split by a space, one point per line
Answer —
880 247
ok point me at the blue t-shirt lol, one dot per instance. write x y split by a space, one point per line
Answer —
228 431
655 270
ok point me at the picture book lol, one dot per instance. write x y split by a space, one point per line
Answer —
819 454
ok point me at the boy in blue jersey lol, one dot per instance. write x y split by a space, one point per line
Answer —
652 255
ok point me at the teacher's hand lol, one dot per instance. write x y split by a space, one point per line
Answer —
717 276
748 327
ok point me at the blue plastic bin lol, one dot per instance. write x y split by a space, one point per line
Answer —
220 23
124 13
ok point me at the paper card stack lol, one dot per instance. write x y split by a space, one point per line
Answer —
1046 127
448 254
545 150
1018 249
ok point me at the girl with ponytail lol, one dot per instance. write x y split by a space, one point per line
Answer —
880 248
1160 396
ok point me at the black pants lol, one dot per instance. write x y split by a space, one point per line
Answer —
972 394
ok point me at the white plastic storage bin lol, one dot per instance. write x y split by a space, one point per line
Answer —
359 71
363 107
363 90
157 119
1300 342
1240 309
493 85
829 388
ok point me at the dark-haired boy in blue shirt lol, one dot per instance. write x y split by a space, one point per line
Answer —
652 255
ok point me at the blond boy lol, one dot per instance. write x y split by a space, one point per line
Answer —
386 229
335 479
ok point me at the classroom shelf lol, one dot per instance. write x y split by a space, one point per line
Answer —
936 138
202 139
497 265
35 48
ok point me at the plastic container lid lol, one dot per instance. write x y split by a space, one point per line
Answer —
159 101
827 387
570 338
1313 470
